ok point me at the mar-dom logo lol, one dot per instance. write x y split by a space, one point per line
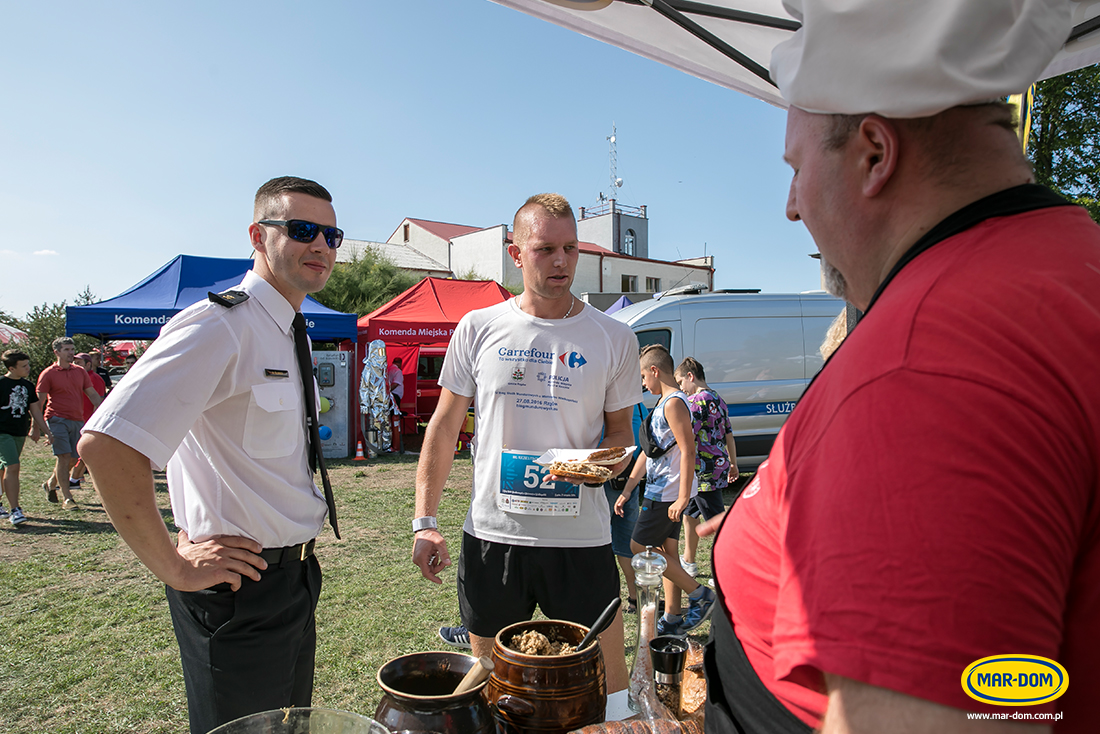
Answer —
573 359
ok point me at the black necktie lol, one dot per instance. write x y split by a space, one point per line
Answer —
316 458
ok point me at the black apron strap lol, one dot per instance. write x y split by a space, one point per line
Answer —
737 700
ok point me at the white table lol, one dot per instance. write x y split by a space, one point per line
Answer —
617 708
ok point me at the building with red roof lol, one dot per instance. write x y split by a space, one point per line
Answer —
614 248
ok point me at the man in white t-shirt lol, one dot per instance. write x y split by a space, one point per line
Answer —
548 372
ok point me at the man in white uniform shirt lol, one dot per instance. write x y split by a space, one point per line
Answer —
218 400
548 371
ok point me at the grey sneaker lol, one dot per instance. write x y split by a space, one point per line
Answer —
17 517
70 505
455 637
51 494
699 609
3 512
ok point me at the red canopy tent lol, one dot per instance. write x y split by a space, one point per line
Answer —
424 316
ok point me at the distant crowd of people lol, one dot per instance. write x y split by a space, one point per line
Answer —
55 408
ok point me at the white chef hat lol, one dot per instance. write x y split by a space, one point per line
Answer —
913 58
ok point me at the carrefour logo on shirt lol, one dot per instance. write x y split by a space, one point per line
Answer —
573 359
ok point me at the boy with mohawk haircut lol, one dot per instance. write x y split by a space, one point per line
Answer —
669 470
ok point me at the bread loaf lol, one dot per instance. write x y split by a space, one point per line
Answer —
660 726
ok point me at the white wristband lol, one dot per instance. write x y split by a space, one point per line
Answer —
424 523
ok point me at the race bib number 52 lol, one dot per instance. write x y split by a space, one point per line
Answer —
526 489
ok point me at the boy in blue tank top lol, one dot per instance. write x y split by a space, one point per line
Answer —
669 470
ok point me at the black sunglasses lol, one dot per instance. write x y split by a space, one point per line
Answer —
302 231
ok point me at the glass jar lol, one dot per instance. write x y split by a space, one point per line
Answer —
649 567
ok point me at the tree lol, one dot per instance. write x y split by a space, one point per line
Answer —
44 324
1064 143
473 274
364 283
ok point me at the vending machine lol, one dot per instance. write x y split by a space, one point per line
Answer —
333 371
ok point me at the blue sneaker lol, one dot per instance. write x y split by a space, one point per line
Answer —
455 637
699 609
670 627
3 512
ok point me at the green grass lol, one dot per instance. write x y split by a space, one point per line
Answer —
86 643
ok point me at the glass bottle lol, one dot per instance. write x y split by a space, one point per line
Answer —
649 567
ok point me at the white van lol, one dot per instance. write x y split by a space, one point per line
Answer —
759 351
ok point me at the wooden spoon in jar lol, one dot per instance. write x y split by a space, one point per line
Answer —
483 666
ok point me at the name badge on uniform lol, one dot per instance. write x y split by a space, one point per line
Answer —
279 374
526 489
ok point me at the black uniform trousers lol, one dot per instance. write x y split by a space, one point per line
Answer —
248 650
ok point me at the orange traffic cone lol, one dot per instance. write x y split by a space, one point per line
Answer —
359 451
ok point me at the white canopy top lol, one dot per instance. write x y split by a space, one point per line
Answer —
730 42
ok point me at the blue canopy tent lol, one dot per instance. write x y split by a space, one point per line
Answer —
140 312
623 302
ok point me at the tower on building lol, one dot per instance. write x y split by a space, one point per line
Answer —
618 227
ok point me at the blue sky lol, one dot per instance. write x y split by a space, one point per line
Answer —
134 131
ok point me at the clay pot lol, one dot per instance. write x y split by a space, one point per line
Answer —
547 693
419 695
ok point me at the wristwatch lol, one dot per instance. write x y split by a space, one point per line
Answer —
424 523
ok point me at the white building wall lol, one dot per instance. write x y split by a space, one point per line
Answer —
597 230
670 274
483 252
421 239
587 277
513 276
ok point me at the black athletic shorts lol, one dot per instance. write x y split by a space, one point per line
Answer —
706 505
654 527
500 584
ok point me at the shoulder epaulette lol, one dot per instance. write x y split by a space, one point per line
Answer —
229 299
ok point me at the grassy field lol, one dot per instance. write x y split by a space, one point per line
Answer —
86 643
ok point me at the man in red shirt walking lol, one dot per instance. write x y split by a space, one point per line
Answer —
86 361
62 387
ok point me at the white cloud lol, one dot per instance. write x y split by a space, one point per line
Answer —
46 252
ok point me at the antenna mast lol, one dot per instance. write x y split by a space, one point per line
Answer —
613 158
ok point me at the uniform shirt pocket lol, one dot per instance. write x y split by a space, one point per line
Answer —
274 425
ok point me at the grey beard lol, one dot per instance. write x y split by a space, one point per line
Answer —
835 284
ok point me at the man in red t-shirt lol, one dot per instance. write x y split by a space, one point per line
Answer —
86 361
934 498
62 387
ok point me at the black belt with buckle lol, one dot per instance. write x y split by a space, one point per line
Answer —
288 554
